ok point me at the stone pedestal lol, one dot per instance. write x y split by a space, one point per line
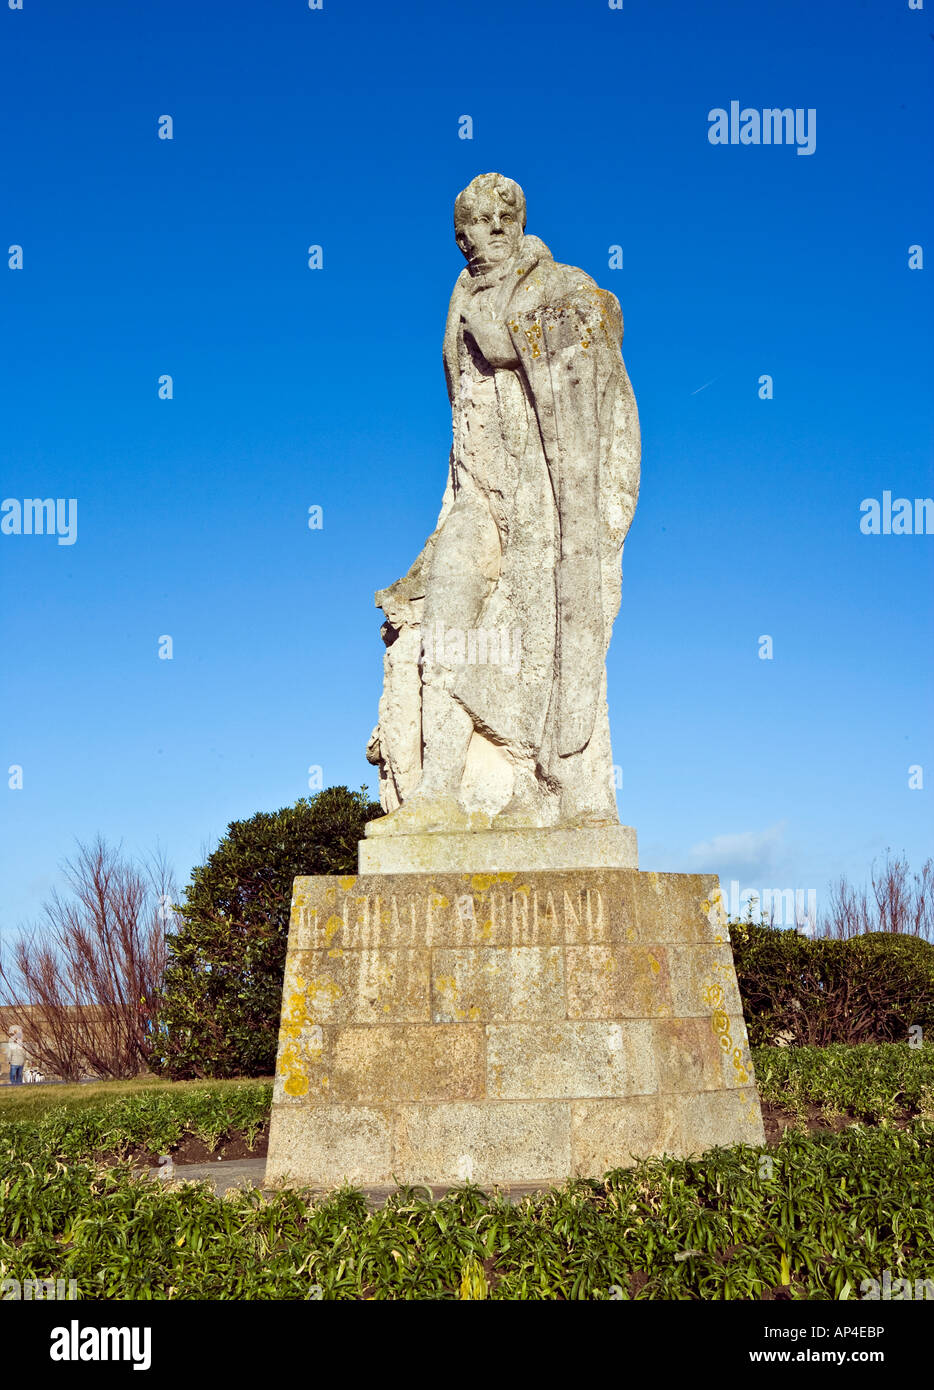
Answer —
501 851
506 1027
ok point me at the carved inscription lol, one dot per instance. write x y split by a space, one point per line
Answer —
522 916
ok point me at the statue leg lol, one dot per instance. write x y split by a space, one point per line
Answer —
464 567
588 794
583 781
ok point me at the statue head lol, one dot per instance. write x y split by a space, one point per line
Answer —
489 220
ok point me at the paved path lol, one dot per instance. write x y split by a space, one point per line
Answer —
251 1172
222 1175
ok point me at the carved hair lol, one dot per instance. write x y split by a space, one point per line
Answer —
507 189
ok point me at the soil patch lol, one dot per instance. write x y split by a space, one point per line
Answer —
191 1149
776 1120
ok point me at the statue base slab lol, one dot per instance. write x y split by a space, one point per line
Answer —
506 1028
501 851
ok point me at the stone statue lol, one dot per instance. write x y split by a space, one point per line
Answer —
486 998
493 713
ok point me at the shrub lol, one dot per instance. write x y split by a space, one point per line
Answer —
871 988
219 1010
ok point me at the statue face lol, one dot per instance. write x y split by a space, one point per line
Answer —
491 234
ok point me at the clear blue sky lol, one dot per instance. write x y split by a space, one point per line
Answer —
296 387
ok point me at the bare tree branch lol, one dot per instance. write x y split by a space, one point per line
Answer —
82 983
896 901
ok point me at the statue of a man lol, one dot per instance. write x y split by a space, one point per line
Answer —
493 711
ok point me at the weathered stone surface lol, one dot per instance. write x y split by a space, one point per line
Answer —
493 713
560 907
325 1065
687 1054
409 1064
513 1027
625 980
374 986
492 984
677 907
611 1133
326 1145
489 1143
498 851
532 1061
703 979
693 1123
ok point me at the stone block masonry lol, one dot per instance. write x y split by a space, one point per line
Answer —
506 1027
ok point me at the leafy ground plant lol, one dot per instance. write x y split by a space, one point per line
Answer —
29 1102
812 1218
872 1082
153 1120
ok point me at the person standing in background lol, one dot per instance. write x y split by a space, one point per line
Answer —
17 1057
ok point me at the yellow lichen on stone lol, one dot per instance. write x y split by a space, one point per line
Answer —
533 334
347 882
481 883
293 1015
720 1022
332 926
446 986
295 1082
314 1047
738 1066
320 994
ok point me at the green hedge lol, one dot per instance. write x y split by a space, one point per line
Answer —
871 988
219 1011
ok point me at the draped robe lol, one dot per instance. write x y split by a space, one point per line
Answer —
542 485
